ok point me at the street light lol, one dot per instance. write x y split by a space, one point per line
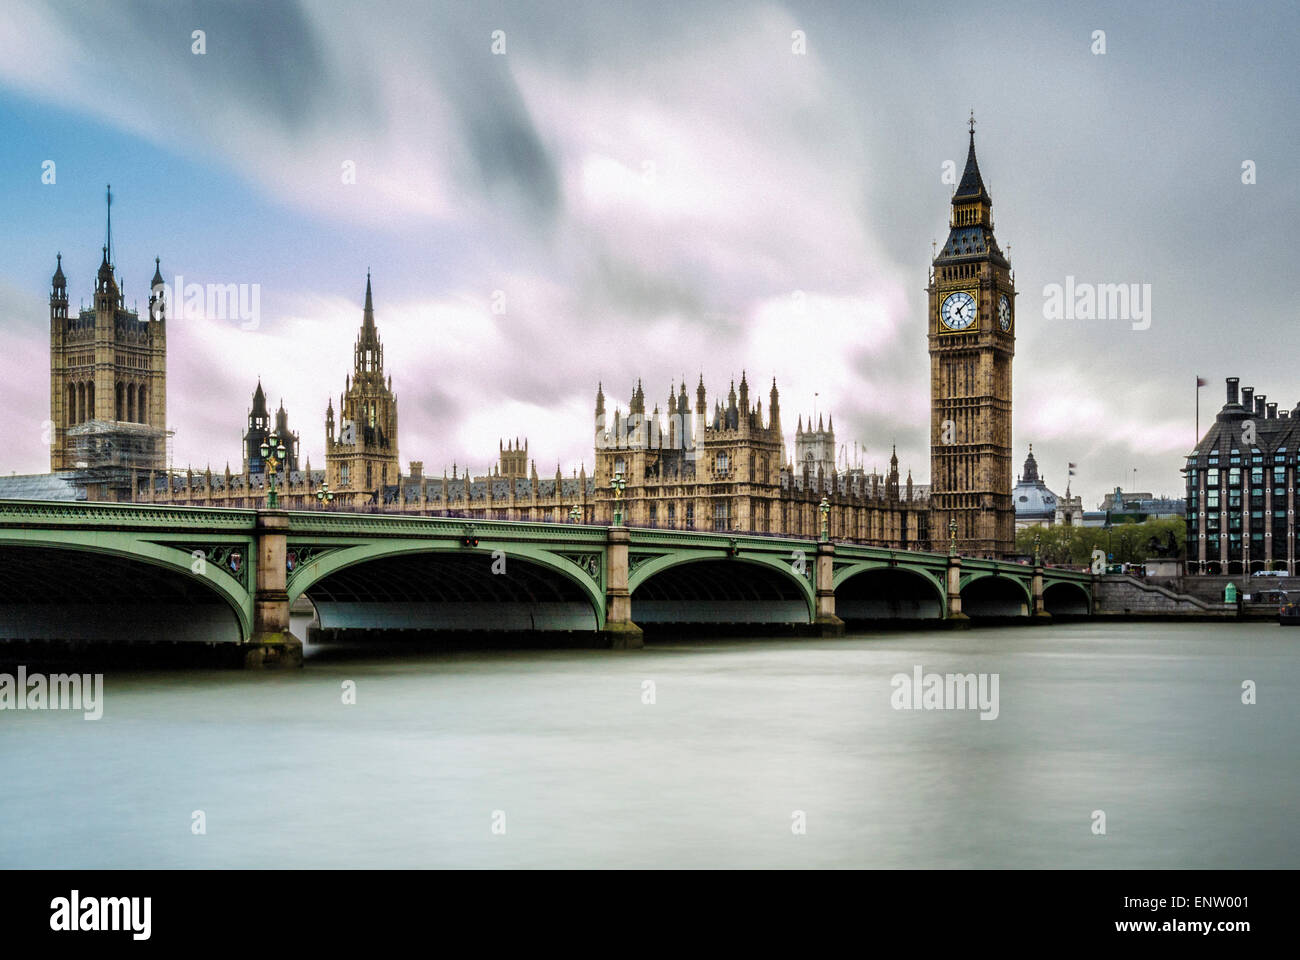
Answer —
273 452
575 513
952 536
324 495
1037 557
618 484
825 508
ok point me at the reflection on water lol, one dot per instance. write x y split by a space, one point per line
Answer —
1144 722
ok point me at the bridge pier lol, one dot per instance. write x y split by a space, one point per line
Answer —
622 633
826 623
1036 588
272 645
955 618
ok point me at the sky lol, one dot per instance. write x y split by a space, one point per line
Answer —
554 195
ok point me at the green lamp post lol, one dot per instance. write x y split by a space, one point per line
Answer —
952 536
825 508
617 485
273 453
324 495
575 513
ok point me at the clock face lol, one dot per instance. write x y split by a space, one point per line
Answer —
958 310
1004 312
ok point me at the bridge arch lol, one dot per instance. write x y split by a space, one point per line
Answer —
1066 598
423 585
876 590
995 595
705 586
151 589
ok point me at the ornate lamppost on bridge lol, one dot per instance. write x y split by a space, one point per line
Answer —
617 484
324 495
575 513
952 536
1037 557
273 451
825 508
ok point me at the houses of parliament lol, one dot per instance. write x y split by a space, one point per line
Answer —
690 464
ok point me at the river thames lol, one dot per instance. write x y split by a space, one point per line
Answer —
691 753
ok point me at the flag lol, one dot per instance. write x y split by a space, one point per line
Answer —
1200 381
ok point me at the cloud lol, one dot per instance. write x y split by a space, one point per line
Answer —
654 196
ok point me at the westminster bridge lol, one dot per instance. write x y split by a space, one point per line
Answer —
107 572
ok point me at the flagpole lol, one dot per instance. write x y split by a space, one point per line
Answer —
1198 414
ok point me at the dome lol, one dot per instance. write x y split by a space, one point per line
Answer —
1033 501
1030 497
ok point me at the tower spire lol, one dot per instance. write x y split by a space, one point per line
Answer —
108 242
972 184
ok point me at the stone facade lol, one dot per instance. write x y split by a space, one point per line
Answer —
361 458
108 382
972 341
692 470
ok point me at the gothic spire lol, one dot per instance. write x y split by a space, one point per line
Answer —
369 353
972 184
108 242
368 315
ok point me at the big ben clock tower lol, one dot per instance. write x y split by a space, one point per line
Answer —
972 334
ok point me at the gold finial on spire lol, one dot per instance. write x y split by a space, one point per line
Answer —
972 121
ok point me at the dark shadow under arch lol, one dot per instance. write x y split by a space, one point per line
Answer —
1065 599
994 597
888 593
720 591
65 594
448 591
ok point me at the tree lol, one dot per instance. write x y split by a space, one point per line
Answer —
1127 542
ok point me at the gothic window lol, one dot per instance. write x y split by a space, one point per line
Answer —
130 402
724 463
343 475
140 407
120 403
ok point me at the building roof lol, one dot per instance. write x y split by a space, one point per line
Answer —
1030 497
972 184
1275 430
38 486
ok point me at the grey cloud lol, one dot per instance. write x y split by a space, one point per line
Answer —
267 54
